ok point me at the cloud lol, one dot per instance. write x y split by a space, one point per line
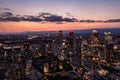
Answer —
6 14
89 21
102 21
44 14
112 20
70 19
69 15
55 18
31 18
16 19
6 9
46 17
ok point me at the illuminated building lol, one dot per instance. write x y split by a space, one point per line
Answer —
50 65
108 37
109 45
8 55
95 37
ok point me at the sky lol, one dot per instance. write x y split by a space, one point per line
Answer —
47 15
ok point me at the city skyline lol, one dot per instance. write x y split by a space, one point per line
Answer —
47 15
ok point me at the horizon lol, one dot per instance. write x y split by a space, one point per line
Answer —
100 30
55 15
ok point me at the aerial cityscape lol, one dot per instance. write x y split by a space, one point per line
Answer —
59 39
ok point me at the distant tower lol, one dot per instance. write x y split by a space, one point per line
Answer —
60 33
71 40
95 43
1 51
60 37
26 47
95 37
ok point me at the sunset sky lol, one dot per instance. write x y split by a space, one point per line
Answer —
47 15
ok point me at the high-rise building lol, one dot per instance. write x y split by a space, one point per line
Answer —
59 38
95 37
26 47
71 41
2 51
